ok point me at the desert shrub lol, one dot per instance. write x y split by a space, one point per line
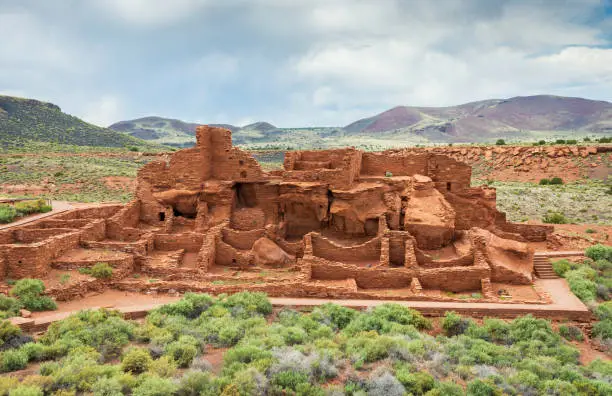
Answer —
571 333
245 354
561 266
556 181
107 387
13 359
417 383
8 331
250 382
9 307
136 361
385 384
385 318
26 390
334 315
453 324
500 142
369 347
101 271
29 292
581 283
446 389
603 329
163 367
559 387
482 388
289 380
560 141
604 311
155 386
590 231
195 383
103 330
29 207
554 218
183 351
544 182
7 213
191 305
599 252
246 304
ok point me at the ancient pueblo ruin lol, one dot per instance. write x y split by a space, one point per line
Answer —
333 224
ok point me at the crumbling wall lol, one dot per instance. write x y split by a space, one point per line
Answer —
327 249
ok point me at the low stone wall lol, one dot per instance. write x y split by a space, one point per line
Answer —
328 249
191 242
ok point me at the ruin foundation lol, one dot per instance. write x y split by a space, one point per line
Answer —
334 223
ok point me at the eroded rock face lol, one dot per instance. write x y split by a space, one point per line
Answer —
269 254
428 216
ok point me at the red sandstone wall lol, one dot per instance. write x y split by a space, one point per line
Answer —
377 164
327 249
189 242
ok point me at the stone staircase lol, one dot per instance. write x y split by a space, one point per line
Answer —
543 267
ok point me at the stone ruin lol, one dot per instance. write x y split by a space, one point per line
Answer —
339 223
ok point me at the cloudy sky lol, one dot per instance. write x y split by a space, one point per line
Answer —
298 62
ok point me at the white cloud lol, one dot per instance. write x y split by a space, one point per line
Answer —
151 12
104 111
432 58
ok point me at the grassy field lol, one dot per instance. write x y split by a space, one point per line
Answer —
69 177
581 202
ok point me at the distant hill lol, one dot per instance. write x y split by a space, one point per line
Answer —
178 133
161 130
24 120
520 118
484 120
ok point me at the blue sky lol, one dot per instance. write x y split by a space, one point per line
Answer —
298 62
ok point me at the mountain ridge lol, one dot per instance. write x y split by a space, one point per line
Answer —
25 119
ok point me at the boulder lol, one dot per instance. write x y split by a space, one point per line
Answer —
25 313
268 253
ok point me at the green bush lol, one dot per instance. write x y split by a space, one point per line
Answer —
246 304
8 331
453 324
500 142
136 361
333 314
197 383
417 383
101 271
603 329
8 306
561 267
155 386
554 218
14 359
571 333
107 387
29 292
544 182
29 207
482 388
7 213
581 283
604 311
599 252
182 351
26 390
556 181
191 305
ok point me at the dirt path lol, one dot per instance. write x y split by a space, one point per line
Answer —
565 305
